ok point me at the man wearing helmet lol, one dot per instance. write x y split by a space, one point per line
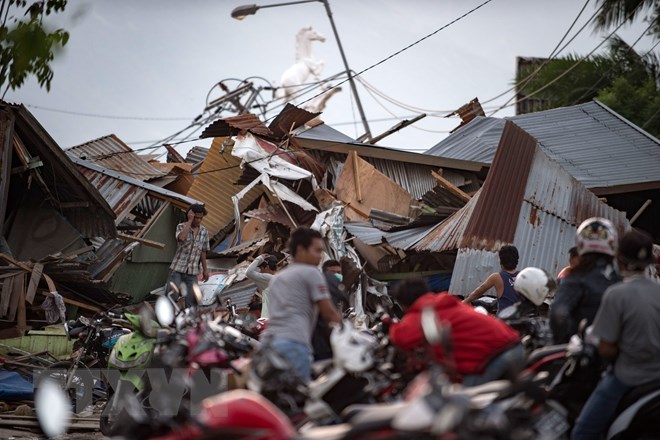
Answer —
501 281
485 348
627 326
581 291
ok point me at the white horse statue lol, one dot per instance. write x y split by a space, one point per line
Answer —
305 65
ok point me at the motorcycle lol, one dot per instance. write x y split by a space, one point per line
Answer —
199 344
638 412
95 339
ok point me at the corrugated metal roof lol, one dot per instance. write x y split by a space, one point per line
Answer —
447 235
373 236
240 293
416 179
121 196
290 118
94 220
196 155
550 206
325 138
494 217
593 143
215 187
271 214
234 125
107 181
111 153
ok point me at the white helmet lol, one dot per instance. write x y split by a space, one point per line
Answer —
352 349
597 235
534 284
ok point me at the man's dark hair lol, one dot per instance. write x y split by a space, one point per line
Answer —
197 208
330 263
636 250
302 237
573 252
509 257
408 291
271 262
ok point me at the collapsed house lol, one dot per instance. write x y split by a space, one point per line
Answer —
48 214
612 157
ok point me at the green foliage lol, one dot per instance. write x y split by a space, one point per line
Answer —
27 45
638 103
622 79
615 12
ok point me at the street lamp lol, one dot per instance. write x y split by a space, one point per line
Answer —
243 11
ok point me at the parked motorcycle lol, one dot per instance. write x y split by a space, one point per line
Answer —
95 338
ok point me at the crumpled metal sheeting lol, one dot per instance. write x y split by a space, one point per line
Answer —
245 248
271 214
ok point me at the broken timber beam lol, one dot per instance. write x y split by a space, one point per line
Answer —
451 187
144 241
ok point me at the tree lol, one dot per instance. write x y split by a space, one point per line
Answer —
622 79
615 12
27 45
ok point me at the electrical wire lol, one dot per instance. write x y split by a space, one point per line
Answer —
611 69
350 76
566 72
98 115
554 52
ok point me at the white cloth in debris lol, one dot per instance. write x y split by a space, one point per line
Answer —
54 308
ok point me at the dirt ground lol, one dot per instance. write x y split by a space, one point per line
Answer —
15 434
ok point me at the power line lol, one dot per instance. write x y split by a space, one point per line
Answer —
350 76
570 69
614 65
554 52
98 115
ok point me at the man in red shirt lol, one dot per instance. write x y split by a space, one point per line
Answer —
484 348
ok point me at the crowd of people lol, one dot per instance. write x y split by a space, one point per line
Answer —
605 284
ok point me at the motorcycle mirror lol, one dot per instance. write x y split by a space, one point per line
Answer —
164 311
174 288
53 408
432 331
146 321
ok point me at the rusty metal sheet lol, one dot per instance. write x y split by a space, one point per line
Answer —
495 215
271 214
244 248
112 153
234 125
290 118
215 186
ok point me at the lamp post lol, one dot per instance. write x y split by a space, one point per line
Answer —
243 11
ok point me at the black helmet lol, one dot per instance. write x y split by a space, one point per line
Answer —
636 250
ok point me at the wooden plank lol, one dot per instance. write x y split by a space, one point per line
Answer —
79 252
450 187
21 318
17 289
144 241
34 282
51 284
356 175
7 289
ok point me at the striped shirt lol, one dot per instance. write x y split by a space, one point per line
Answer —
189 251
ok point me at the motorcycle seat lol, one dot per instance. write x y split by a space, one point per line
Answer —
363 413
637 393
540 353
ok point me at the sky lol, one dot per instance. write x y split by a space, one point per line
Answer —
145 59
